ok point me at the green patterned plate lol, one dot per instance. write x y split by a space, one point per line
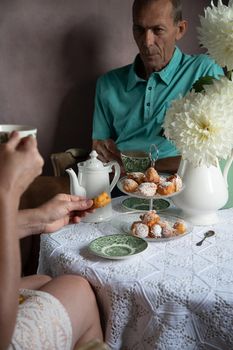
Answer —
119 246
133 203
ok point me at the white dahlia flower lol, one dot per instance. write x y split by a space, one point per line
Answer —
216 33
201 124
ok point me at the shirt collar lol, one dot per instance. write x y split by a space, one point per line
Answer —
133 78
166 74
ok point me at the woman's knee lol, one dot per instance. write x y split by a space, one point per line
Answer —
71 286
34 281
77 284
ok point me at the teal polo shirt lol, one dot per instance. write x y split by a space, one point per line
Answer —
131 110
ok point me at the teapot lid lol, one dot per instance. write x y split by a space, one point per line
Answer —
93 162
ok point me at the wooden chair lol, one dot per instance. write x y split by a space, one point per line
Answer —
67 159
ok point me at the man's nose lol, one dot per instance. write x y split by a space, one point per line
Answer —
149 37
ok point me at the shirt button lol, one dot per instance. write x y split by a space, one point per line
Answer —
149 88
148 104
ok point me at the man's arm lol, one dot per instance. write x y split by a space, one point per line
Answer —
107 151
168 165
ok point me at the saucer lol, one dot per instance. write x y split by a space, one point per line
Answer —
141 204
118 246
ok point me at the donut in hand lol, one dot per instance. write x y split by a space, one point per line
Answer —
101 200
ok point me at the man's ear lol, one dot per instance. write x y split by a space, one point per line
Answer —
181 29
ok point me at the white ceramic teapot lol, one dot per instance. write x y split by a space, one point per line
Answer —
92 179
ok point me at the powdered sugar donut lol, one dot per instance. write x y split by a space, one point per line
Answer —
136 176
150 218
166 188
179 227
168 232
129 185
139 229
156 231
152 175
147 189
176 180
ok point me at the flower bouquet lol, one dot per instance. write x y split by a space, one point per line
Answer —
201 123
216 33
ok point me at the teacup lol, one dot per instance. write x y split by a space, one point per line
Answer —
135 161
24 130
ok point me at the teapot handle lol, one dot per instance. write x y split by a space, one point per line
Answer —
116 174
227 167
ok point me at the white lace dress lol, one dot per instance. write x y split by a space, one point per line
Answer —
42 323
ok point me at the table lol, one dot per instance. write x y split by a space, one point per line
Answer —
174 295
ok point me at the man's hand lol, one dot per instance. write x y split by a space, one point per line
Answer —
107 150
53 215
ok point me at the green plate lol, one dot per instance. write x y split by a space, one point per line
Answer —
119 246
133 203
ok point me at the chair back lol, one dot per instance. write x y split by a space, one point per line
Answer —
67 159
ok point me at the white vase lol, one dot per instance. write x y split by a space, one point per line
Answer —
205 191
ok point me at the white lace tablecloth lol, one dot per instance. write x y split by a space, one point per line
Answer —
174 295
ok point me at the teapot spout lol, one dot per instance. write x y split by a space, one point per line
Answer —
75 188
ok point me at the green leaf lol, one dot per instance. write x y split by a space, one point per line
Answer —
198 86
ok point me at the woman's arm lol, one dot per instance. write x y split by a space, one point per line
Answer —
20 163
9 267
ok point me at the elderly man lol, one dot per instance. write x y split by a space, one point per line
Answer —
131 101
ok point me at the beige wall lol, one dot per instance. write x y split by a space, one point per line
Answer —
52 51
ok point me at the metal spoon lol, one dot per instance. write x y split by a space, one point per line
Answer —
206 235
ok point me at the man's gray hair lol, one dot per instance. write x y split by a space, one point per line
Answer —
176 4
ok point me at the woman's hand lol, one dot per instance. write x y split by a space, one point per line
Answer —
63 209
54 214
20 163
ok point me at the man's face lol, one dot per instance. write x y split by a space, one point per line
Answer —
156 33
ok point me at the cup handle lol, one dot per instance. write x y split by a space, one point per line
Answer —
116 174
